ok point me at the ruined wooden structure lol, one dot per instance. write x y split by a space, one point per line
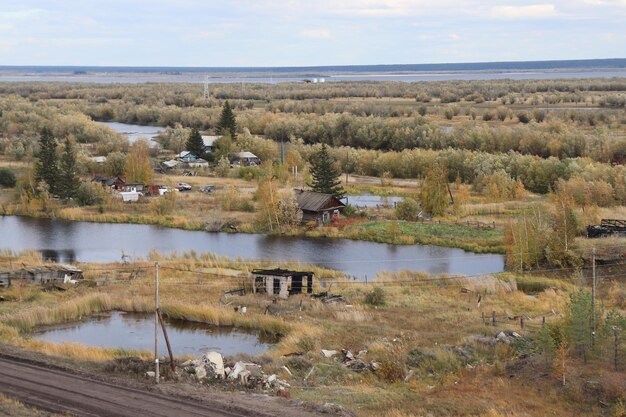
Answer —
607 227
281 282
318 207
59 273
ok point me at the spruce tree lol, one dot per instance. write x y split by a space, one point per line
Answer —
325 176
195 143
68 178
227 123
46 167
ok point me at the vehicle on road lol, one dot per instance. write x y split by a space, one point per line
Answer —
183 186
207 188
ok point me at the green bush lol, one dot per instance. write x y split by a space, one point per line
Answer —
376 297
89 194
407 209
7 178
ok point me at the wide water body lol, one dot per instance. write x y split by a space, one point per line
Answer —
136 331
104 242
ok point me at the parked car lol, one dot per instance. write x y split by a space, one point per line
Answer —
207 188
183 186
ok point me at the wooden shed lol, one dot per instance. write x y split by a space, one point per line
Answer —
5 279
281 282
48 273
318 207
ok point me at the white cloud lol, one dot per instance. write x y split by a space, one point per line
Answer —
19 14
316 33
532 11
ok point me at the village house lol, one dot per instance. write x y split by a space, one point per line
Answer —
209 143
318 207
115 183
169 165
245 159
281 282
187 156
134 187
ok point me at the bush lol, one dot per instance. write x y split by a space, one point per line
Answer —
376 297
89 194
407 209
7 178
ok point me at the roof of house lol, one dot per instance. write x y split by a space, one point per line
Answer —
312 201
243 155
281 272
112 181
209 140
171 163
186 153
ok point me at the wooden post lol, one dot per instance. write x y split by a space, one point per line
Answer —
493 318
543 321
521 322
167 341
156 321
593 296
483 317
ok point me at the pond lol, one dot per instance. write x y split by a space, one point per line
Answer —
136 331
369 200
135 132
67 241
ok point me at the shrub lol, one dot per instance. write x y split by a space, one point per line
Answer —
523 117
376 297
7 178
89 194
407 209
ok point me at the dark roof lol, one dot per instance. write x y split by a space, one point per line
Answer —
281 272
312 201
112 181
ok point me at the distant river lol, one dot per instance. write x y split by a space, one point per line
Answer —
103 242
135 132
132 78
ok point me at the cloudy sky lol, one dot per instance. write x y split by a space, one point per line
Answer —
306 32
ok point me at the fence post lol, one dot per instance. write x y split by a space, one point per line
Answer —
493 318
483 317
521 322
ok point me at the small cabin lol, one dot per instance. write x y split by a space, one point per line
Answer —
318 207
5 279
246 159
62 273
115 183
208 143
134 187
281 282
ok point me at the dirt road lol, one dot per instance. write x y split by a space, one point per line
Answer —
63 392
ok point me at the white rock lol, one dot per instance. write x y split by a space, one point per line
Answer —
215 362
200 373
329 353
271 379
150 374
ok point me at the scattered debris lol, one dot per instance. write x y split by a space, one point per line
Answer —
409 375
284 368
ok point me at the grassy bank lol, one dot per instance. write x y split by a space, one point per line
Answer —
409 233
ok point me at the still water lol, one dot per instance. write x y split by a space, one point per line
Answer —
135 132
67 241
136 331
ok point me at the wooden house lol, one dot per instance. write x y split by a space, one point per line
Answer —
115 183
281 282
318 207
5 279
209 143
134 187
246 159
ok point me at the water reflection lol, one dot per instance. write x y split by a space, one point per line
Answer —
136 331
101 242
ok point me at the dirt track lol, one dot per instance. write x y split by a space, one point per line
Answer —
64 392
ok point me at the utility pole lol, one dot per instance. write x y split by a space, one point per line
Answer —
156 321
593 296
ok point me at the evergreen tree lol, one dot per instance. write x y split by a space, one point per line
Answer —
227 123
47 168
195 143
68 178
579 325
325 176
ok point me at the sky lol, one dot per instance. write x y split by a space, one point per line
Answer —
222 33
